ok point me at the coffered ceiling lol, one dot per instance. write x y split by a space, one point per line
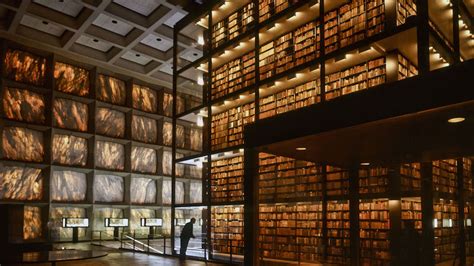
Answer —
131 37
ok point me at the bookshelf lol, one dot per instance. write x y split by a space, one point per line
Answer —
467 176
445 176
374 225
411 211
337 181
410 177
373 180
227 180
446 229
306 41
338 224
375 17
405 9
406 68
351 22
227 229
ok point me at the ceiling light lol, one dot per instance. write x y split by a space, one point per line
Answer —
95 40
301 148
199 121
45 22
114 21
158 39
195 54
200 81
455 120
137 55
200 40
365 164
241 150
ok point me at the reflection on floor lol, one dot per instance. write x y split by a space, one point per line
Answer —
118 257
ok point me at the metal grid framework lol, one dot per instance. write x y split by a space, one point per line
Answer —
129 37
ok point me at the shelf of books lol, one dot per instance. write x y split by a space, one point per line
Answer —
405 9
445 176
227 180
337 181
235 24
446 229
406 68
410 177
227 230
373 180
411 211
338 224
468 218
467 177
374 226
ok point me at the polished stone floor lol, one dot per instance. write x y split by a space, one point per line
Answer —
117 257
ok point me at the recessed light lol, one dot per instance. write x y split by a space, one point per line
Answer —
158 39
301 148
455 120
137 55
95 40
114 21
364 164
195 54
45 22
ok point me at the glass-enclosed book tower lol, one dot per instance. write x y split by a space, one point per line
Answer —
258 59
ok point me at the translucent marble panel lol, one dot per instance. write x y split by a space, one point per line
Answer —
167 104
56 214
166 230
71 79
68 186
180 104
144 99
195 192
180 143
143 190
22 144
23 105
135 215
195 140
167 133
108 188
195 171
179 192
100 214
110 122
70 114
32 224
110 155
111 90
166 192
167 163
20 183
144 129
143 160
179 166
70 150
24 67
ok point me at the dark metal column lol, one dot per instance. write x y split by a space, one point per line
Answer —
423 36
427 212
250 206
354 215
461 248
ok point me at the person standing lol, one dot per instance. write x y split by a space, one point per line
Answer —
186 234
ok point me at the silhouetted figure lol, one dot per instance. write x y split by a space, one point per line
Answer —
411 245
186 234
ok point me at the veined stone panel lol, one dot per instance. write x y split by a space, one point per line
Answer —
23 105
110 155
111 90
108 188
32 224
195 192
70 150
21 183
100 214
168 104
22 144
167 133
135 215
143 190
24 67
195 139
110 122
56 214
167 162
68 186
180 168
143 160
144 129
166 230
70 114
179 192
195 171
166 192
180 136
144 98
71 79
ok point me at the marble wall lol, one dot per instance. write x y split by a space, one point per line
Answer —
22 144
110 155
144 129
23 105
143 190
70 114
32 224
180 136
24 67
110 122
144 99
179 192
71 79
68 186
180 168
167 104
135 215
70 150
195 171
111 90
195 139
167 133
166 230
20 183
108 188
166 192
166 162
195 192
56 214
143 160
